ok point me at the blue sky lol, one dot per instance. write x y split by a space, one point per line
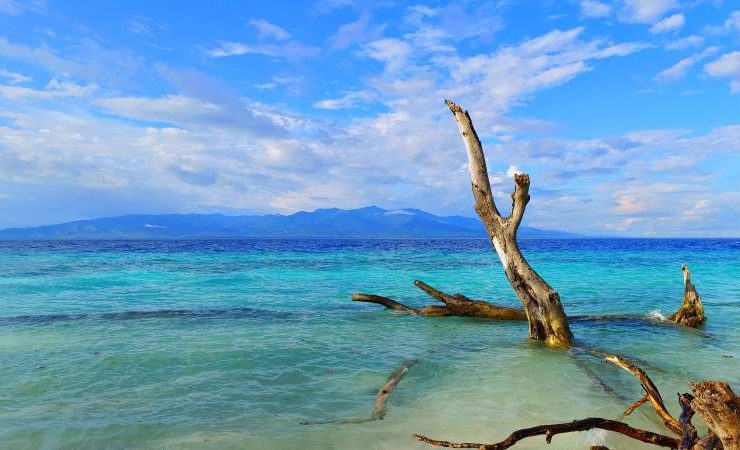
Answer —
625 113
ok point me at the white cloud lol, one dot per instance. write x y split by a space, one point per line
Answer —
15 7
347 100
686 42
53 90
14 77
594 8
290 50
267 30
670 23
728 65
679 70
732 23
393 53
646 11
358 31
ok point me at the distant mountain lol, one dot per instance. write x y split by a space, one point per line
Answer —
369 222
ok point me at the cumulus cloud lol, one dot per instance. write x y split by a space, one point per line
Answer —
198 146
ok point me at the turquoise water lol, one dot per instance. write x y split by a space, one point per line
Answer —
231 344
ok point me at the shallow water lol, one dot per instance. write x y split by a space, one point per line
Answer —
231 344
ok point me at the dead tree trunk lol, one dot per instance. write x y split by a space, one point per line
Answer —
547 320
691 312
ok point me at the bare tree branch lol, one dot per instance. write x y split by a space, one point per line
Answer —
652 393
551 430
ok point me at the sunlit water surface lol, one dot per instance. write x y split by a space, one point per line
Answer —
232 344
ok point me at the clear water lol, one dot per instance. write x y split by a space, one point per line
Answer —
231 344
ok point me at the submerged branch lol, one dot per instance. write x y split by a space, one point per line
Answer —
379 407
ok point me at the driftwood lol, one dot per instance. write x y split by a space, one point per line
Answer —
545 314
454 305
558 428
714 401
460 305
651 392
381 399
691 312
542 307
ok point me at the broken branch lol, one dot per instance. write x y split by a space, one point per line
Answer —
651 392
691 312
551 430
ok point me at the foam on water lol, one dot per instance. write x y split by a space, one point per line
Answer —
232 344
657 315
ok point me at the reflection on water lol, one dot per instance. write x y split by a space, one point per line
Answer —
232 344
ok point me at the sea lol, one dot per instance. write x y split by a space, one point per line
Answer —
255 344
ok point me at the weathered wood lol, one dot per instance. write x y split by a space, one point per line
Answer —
545 314
568 427
652 393
714 401
691 312
379 407
688 435
385 301
719 407
393 379
455 305
634 406
461 305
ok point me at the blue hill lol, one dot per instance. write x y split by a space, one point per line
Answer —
369 222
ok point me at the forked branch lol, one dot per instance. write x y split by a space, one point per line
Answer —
651 392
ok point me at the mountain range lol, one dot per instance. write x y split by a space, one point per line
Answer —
368 222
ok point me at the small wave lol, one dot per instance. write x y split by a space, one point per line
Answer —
656 315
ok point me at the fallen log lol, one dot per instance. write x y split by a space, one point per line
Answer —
460 305
454 305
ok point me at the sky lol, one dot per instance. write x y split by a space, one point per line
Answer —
625 113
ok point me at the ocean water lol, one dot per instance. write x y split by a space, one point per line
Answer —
232 344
